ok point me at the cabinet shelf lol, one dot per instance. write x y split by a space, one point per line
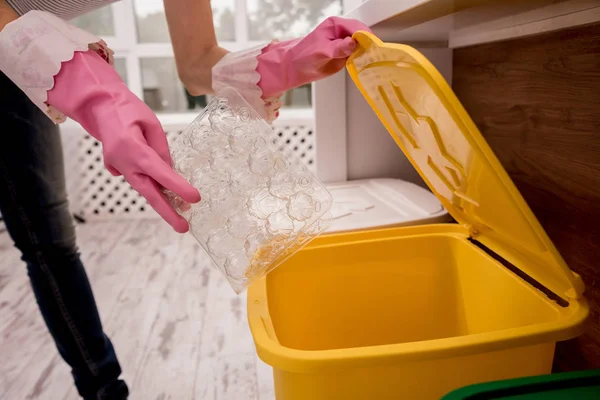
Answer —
458 23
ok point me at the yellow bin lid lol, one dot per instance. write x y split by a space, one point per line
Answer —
421 112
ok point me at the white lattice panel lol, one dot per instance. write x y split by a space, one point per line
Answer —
301 140
96 194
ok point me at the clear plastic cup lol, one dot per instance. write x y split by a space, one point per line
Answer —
260 203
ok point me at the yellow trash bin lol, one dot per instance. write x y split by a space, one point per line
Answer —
416 312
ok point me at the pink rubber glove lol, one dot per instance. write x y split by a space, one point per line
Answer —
323 52
89 90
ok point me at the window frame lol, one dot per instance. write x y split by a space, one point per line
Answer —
126 46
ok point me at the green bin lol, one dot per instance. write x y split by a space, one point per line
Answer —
582 385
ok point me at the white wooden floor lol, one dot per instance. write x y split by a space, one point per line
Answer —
179 330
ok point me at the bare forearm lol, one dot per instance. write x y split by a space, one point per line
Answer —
194 42
7 14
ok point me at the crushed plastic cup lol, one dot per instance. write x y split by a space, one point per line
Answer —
260 203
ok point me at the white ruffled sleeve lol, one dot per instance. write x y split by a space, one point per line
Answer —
33 48
238 70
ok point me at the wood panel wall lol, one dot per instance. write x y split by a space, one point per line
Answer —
537 102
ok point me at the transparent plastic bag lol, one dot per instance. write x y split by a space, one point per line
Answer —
260 204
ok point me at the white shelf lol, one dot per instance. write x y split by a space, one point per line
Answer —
458 23
372 12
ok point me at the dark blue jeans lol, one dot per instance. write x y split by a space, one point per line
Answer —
33 203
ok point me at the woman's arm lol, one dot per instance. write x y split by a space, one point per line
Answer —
194 42
7 14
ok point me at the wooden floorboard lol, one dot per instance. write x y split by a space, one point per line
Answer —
170 358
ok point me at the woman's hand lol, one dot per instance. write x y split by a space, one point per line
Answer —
89 90
66 71
262 75
323 52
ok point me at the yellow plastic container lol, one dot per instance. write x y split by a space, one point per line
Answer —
414 313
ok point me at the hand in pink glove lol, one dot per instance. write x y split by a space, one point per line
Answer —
323 52
89 90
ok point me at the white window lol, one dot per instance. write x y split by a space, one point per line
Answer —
137 31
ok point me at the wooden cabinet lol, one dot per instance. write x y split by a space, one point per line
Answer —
537 102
